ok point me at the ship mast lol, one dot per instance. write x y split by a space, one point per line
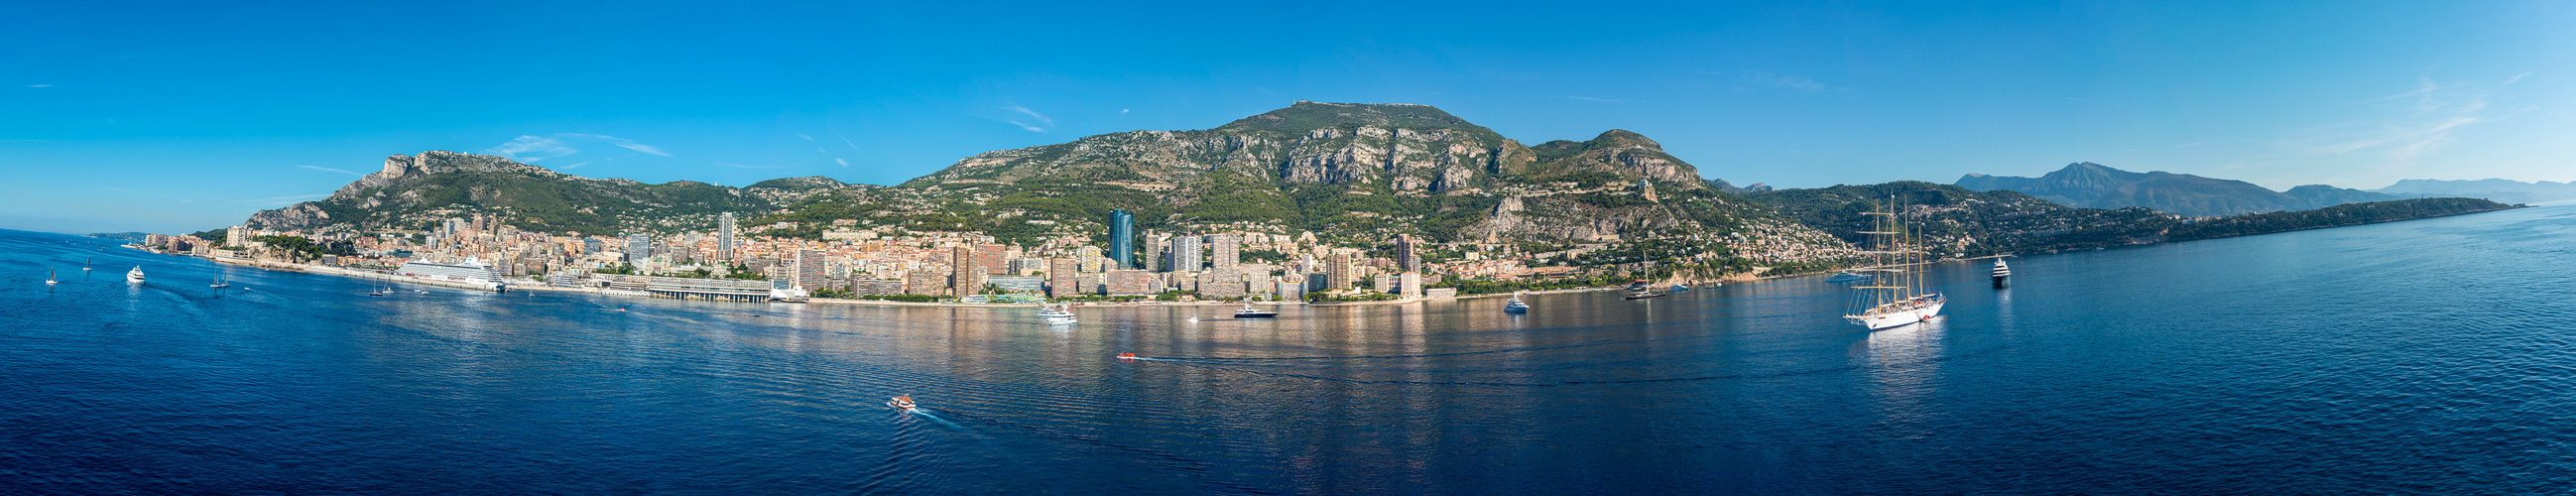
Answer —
1887 239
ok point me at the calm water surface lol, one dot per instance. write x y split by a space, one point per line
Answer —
2419 357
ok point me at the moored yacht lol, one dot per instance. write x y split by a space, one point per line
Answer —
1516 305
1248 312
1056 314
2001 272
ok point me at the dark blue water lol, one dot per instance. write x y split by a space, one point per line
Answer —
2419 357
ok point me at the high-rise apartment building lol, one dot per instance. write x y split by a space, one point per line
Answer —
1340 272
964 278
1122 238
638 247
1060 277
724 237
989 257
1406 259
1184 254
1229 250
809 270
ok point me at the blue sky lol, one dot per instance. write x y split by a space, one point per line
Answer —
188 116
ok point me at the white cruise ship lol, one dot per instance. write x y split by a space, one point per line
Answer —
470 271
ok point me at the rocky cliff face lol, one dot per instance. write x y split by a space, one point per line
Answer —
399 167
1358 172
1394 146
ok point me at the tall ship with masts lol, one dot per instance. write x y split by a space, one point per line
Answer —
1895 294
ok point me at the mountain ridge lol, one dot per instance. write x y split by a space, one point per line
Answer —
2087 184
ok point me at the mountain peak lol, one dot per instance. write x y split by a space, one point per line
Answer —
1305 116
1625 139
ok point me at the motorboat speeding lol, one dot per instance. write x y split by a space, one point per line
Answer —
901 403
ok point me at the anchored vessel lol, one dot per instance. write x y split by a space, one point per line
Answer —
2001 272
1056 315
1516 305
1248 312
1894 295
471 272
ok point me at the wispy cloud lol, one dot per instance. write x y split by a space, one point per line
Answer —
846 141
40 86
1032 113
837 160
281 200
807 138
531 148
2435 112
302 166
748 166
1043 121
1786 81
1123 112
569 167
1582 98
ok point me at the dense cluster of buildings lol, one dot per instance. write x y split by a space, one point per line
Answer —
736 263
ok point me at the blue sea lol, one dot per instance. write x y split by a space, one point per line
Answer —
2434 356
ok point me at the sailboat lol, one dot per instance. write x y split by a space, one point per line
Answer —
1894 296
49 277
85 263
219 280
378 287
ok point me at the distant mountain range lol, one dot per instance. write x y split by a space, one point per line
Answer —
1357 175
2091 185
1354 172
2492 189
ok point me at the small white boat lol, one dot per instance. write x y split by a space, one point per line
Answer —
1056 315
49 277
1248 312
901 403
1516 305
134 276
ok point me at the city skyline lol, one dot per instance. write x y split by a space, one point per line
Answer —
197 134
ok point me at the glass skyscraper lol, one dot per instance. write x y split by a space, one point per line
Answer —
1122 238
